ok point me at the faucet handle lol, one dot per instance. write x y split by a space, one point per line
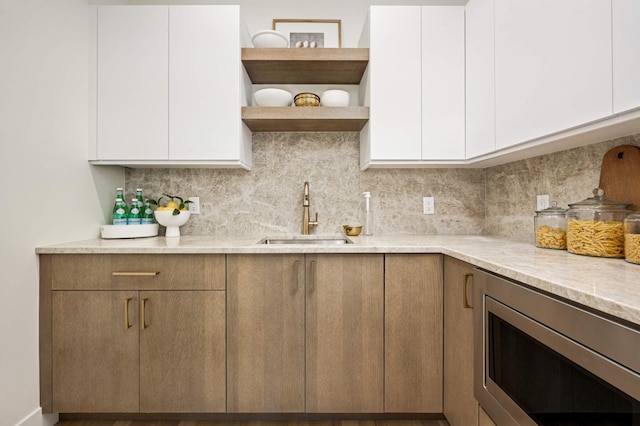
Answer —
314 223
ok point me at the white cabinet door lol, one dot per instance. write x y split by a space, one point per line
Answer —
414 85
132 83
480 87
394 128
552 66
626 55
443 91
170 87
204 82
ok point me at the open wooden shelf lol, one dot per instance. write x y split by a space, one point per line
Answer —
305 119
305 66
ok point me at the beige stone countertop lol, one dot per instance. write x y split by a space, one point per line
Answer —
608 285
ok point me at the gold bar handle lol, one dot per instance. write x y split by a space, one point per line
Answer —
296 275
312 277
143 317
134 274
126 314
465 299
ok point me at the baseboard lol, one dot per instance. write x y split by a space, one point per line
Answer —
247 417
38 419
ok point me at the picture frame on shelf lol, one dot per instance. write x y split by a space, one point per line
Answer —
318 33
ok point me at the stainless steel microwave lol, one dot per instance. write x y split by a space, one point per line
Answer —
540 360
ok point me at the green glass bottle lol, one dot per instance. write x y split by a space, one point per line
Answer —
147 213
135 215
120 210
139 198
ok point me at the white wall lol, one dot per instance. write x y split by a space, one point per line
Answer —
48 191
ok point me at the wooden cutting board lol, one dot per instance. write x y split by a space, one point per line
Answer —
620 175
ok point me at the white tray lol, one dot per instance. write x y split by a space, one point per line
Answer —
129 231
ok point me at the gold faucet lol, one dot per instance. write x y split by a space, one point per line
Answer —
306 223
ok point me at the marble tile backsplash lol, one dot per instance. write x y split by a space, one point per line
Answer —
567 176
268 199
498 201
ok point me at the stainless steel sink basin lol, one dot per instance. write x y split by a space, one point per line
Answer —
306 240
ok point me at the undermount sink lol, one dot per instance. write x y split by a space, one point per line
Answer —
306 240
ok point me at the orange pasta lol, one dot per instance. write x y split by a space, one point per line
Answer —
548 237
632 247
595 237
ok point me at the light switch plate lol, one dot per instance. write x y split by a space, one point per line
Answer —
194 206
542 202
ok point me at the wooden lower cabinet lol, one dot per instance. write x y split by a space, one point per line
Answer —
413 333
345 340
182 352
95 357
105 361
460 405
305 333
126 336
265 343
252 333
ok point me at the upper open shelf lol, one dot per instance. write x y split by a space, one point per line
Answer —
305 66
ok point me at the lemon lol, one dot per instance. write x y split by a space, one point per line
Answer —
171 205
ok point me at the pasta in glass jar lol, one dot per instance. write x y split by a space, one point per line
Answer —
632 238
551 228
595 226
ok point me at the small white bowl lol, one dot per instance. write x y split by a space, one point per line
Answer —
272 97
334 98
173 223
269 39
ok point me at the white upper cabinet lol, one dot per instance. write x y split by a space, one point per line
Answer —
552 66
480 87
443 75
414 85
205 75
133 82
393 78
626 54
170 87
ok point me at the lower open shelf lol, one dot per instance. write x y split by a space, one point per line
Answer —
305 119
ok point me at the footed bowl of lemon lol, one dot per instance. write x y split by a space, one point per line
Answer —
173 215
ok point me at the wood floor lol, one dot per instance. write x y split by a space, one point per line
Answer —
256 423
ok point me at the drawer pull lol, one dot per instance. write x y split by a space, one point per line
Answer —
312 277
465 298
134 274
143 317
126 314
295 274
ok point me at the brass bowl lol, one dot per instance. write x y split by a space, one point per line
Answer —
306 99
352 231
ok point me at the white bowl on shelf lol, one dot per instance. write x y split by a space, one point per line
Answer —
269 39
334 98
171 221
273 97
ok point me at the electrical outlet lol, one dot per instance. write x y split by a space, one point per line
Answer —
428 205
542 202
194 206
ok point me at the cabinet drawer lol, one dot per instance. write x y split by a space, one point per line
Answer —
137 272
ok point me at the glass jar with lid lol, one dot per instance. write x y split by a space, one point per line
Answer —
595 226
551 228
632 238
